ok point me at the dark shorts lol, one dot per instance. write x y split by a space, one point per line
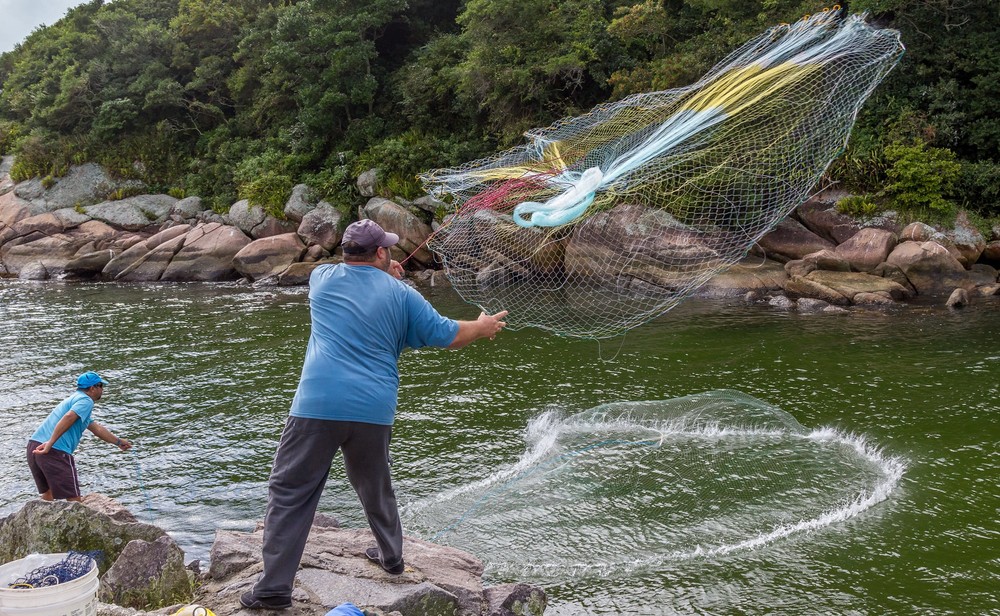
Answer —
54 471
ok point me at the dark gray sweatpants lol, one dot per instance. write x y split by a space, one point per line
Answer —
301 468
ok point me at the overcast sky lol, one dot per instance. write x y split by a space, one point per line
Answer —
19 17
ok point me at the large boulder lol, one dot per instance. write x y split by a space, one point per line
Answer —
133 213
81 186
820 216
274 226
186 210
49 527
920 232
13 210
102 503
298 274
751 275
102 234
147 574
930 267
145 261
413 232
850 284
246 217
101 243
967 239
826 259
52 252
427 204
321 226
803 286
256 223
50 223
268 256
299 203
34 271
632 249
182 253
207 254
917 232
791 240
867 248
60 526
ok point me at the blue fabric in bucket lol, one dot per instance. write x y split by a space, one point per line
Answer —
345 609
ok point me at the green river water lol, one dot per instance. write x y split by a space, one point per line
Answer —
869 485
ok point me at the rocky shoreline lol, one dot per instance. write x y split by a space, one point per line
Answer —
816 259
142 569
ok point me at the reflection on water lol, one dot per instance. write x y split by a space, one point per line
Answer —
202 376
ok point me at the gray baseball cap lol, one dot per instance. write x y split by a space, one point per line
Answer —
366 235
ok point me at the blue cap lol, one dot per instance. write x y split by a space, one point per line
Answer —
367 235
89 379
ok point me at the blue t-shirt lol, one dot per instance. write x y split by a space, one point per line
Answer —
81 404
362 319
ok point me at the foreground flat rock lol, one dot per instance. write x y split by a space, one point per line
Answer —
438 580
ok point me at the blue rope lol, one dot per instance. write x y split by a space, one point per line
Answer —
74 566
489 495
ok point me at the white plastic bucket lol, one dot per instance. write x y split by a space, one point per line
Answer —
73 598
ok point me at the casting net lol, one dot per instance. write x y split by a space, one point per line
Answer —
74 566
628 487
601 222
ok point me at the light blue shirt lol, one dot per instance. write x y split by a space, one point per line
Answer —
81 404
362 319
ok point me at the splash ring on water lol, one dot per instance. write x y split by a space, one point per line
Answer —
627 487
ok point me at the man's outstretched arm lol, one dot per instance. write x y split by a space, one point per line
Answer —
486 326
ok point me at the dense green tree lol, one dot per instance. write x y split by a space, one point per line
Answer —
229 98
529 61
430 87
207 33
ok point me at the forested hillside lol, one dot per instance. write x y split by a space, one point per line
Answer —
232 99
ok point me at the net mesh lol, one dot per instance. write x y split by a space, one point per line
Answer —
74 566
625 488
601 222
